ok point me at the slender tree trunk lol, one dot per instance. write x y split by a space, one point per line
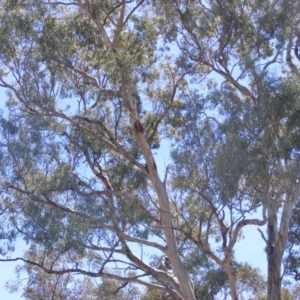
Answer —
183 278
277 236
232 281
273 252
166 222
274 275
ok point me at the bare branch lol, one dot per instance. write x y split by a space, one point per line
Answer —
95 83
240 225
60 3
88 273
262 235
156 273
85 6
133 10
292 66
119 26
121 234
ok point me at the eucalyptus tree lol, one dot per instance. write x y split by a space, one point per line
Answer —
224 166
93 88
87 92
249 141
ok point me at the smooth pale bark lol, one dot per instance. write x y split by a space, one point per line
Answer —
232 281
166 223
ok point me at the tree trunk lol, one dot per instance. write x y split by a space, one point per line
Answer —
164 204
232 281
180 272
277 237
183 278
274 253
274 274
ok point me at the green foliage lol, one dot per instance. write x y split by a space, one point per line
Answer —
94 88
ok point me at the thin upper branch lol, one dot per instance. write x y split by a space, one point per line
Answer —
95 83
100 224
88 273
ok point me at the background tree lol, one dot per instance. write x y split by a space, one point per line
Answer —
243 43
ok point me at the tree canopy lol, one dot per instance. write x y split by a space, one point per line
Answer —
97 91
